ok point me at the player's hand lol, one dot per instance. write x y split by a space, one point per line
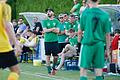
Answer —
107 52
53 29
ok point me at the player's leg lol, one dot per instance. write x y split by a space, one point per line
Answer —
98 62
48 64
61 61
66 48
15 72
55 51
98 73
48 55
71 51
86 56
55 59
12 64
83 74
0 73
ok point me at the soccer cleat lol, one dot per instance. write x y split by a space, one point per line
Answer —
54 71
13 76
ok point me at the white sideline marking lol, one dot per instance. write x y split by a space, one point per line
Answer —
46 76
36 75
43 75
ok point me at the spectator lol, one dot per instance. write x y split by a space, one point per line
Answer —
21 25
76 7
37 26
23 34
27 46
114 46
15 25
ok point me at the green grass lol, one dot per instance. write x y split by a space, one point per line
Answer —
28 72
40 5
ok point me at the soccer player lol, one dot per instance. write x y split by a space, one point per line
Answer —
51 30
95 26
7 55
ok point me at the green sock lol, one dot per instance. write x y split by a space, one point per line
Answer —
83 78
99 78
53 65
49 69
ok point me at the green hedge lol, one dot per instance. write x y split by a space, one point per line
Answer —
40 5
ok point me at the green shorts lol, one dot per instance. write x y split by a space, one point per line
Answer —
92 55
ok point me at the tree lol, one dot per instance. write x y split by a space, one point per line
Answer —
12 3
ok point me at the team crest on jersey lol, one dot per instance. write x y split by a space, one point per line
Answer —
48 24
74 26
69 25
54 24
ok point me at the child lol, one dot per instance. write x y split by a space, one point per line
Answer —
114 46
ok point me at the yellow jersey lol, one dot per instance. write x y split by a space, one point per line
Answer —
5 13
22 40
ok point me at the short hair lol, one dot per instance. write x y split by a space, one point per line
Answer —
117 31
14 20
66 13
76 0
112 34
17 35
119 19
84 1
71 30
49 9
20 18
30 31
72 15
35 18
34 32
94 0
60 15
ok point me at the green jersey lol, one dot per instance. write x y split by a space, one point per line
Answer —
73 41
95 23
62 37
77 7
72 25
50 36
